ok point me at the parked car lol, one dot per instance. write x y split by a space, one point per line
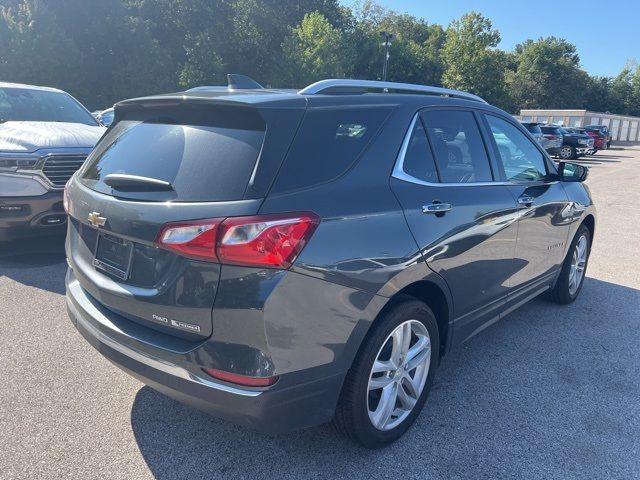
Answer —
106 117
45 135
552 139
599 138
283 259
602 129
535 131
574 144
584 143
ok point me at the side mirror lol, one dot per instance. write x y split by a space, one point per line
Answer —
572 172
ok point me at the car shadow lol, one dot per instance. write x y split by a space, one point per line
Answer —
597 160
532 395
37 262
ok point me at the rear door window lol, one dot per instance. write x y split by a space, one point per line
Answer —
459 151
212 162
328 143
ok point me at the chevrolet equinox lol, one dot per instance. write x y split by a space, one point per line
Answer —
285 258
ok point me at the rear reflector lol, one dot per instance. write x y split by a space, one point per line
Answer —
260 241
241 379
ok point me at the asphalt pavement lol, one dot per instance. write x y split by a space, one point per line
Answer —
550 392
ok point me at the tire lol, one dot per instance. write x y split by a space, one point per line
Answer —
609 144
564 291
567 152
361 398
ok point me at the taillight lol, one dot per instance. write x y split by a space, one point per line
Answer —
260 241
196 239
265 240
65 197
550 137
241 379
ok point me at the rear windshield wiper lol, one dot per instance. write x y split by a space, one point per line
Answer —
123 181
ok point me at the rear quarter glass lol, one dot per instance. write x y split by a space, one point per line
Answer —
328 144
204 161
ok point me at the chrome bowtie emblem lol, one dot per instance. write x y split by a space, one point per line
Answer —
96 220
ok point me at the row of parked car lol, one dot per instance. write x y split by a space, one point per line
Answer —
569 143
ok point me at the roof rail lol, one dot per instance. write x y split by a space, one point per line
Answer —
361 86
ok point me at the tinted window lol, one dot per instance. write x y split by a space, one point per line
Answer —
28 105
532 127
551 130
521 159
202 162
458 147
328 143
418 159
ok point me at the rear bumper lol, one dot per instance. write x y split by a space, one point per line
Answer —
584 150
31 216
299 399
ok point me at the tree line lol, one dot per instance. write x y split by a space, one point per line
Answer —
103 51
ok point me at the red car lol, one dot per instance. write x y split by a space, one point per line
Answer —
599 139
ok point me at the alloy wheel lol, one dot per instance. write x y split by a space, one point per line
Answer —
565 152
578 264
398 375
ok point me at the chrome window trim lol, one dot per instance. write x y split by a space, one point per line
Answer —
400 174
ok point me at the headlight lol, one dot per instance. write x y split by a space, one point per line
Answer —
12 185
582 141
14 164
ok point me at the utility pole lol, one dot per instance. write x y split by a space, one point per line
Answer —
387 36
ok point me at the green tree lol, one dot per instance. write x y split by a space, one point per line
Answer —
34 49
548 75
414 53
203 65
315 50
624 96
471 61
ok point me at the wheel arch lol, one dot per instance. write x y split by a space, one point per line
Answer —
435 298
590 222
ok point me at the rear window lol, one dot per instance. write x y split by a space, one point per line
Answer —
532 127
212 162
551 130
328 144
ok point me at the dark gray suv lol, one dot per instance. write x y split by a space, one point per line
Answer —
281 259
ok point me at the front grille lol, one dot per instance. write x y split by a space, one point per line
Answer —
58 169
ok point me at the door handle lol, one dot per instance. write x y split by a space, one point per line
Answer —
436 208
526 200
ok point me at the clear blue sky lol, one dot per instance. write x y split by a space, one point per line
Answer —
606 33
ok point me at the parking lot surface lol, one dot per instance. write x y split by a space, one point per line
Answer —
550 392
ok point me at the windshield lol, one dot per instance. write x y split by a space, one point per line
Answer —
25 104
